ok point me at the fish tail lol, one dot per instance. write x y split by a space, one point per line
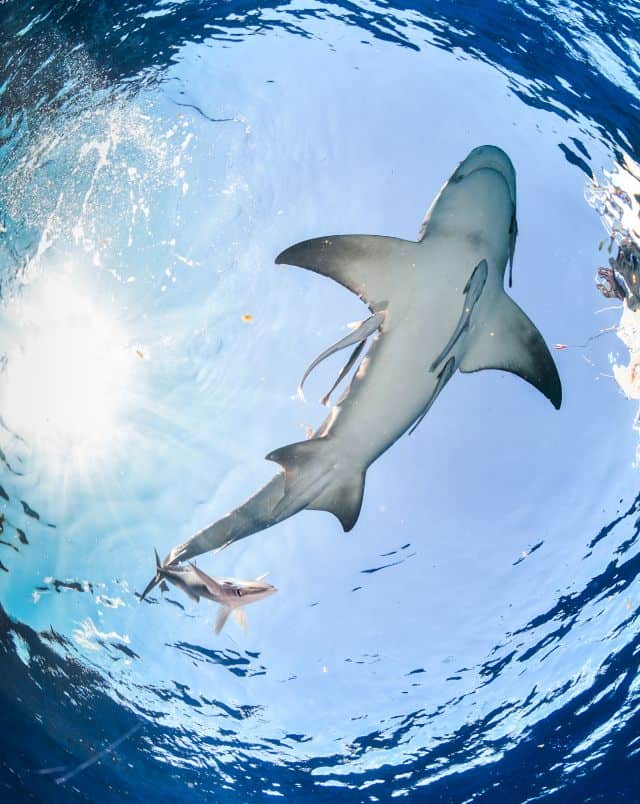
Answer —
156 578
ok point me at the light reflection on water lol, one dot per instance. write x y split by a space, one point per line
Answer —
483 601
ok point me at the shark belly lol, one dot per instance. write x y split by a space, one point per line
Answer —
387 394
395 381
438 304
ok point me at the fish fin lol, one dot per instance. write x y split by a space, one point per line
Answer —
155 580
315 479
207 580
364 264
508 340
358 335
262 577
222 617
240 616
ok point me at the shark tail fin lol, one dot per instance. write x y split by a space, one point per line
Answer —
221 619
318 479
507 339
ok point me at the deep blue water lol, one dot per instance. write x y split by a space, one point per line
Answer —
475 638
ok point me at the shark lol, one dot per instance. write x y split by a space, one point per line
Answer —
437 306
232 594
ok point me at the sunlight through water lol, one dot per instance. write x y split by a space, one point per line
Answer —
67 373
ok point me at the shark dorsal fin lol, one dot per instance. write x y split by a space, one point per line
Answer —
505 338
365 264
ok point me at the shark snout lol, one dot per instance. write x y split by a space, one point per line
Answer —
492 158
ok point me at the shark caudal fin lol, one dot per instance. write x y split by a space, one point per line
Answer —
316 477
157 578
505 338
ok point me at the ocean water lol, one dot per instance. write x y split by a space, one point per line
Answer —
475 637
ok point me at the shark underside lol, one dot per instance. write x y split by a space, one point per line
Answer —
437 305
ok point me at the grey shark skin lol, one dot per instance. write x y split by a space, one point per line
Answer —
231 593
444 303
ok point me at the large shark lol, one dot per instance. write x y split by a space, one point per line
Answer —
437 304
232 594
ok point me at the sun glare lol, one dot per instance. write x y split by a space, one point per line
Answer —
67 370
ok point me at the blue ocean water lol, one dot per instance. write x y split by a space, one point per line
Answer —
475 637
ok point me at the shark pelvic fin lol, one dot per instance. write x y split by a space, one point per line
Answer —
508 340
315 480
222 617
364 264
358 335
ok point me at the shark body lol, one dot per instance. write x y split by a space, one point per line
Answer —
232 594
437 304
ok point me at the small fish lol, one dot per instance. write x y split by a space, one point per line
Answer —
231 593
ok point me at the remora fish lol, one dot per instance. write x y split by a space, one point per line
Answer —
440 305
232 594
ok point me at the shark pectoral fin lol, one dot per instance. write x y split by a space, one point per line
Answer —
365 264
222 617
240 616
508 340
360 334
